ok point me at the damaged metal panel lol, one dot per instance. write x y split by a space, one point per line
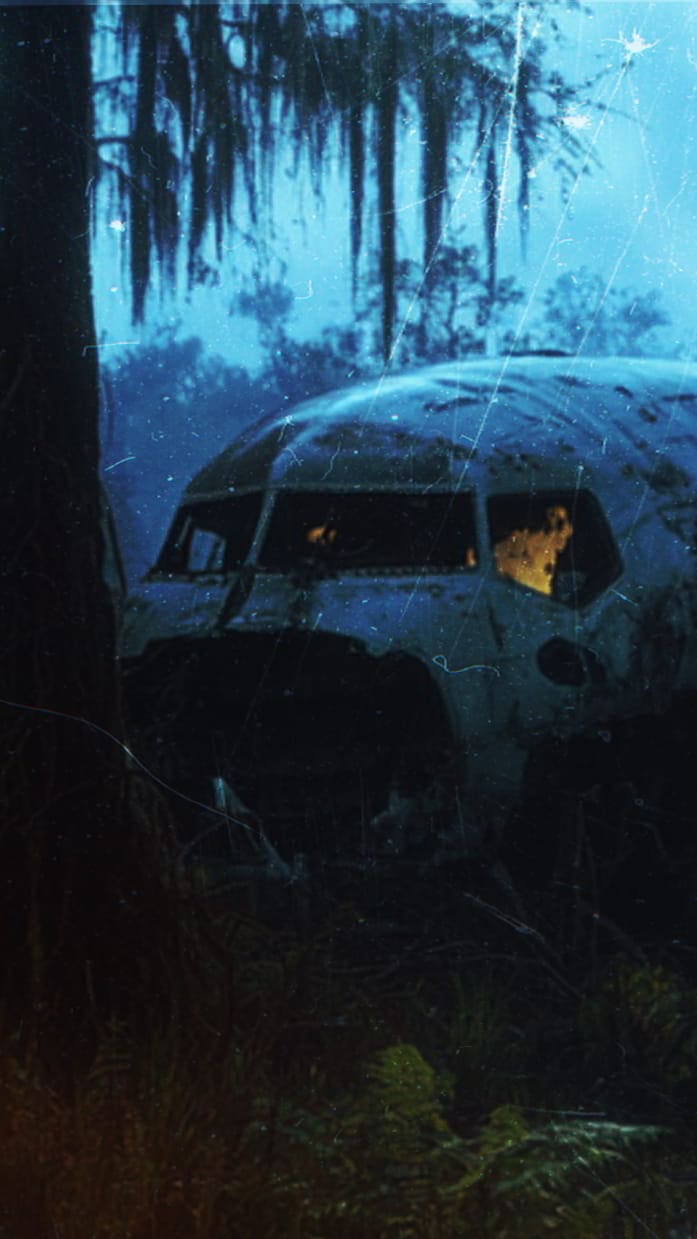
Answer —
381 602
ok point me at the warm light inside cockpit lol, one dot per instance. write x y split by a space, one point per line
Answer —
321 535
530 555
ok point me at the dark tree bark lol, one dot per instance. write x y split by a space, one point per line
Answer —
67 861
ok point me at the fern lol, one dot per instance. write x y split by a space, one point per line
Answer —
576 1178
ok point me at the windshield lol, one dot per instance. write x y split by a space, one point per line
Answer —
371 530
211 537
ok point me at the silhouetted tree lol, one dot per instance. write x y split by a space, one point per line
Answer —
582 313
67 851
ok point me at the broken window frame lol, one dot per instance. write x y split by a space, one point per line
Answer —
194 517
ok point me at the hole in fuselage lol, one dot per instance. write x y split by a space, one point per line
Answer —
312 733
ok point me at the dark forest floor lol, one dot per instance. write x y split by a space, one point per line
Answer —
391 1051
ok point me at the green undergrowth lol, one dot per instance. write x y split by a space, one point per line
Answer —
345 1076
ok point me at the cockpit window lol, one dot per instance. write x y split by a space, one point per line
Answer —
557 543
371 530
211 537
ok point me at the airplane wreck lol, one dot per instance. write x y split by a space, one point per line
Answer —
374 610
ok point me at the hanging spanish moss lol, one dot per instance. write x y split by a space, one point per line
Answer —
356 88
199 202
176 80
140 158
528 80
357 175
486 141
313 81
385 123
434 128
264 43
491 213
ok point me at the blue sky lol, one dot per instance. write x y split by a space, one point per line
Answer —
634 219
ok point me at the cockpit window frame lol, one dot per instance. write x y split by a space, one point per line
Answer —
566 591
173 560
320 551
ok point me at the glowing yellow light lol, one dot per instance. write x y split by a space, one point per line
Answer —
321 535
530 555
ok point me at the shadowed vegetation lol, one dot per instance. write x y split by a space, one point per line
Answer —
366 1077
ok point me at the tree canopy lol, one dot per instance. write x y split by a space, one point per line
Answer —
210 96
584 313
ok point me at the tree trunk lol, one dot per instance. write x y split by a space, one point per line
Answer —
67 862
386 122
